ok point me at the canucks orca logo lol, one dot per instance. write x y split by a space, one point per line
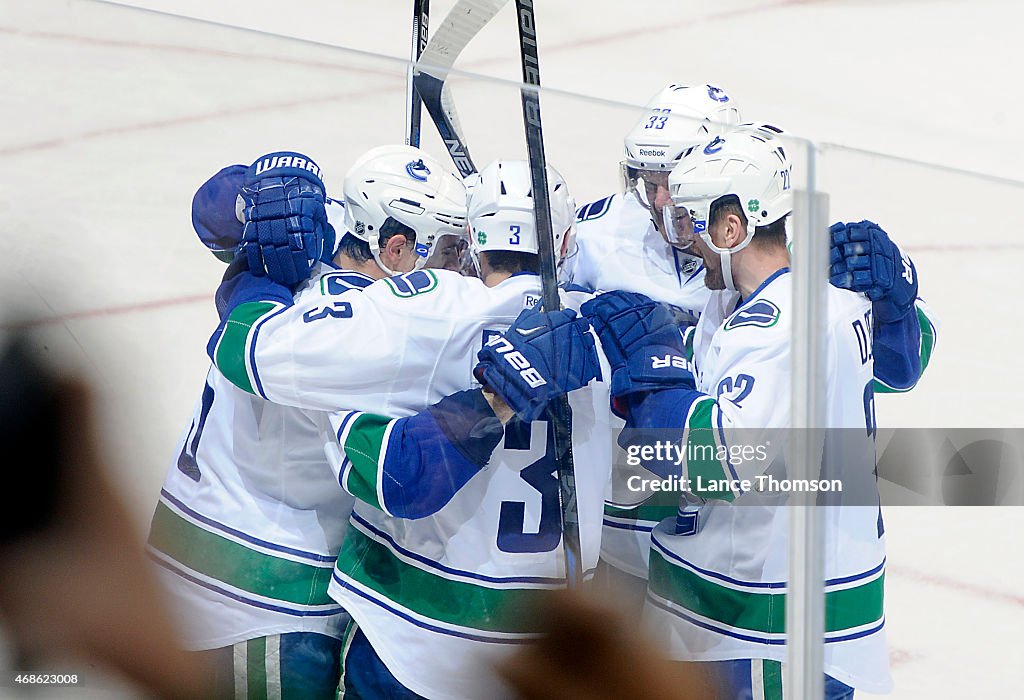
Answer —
714 147
761 314
418 170
717 94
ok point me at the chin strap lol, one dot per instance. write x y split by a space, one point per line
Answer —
726 258
725 255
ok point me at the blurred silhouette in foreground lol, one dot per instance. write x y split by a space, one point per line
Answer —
594 653
74 580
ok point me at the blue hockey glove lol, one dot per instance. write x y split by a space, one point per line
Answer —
215 215
864 259
643 341
541 356
285 219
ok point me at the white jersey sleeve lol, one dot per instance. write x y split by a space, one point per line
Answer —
373 350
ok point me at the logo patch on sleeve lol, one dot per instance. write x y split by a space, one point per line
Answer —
761 314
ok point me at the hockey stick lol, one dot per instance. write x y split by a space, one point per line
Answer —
464 22
420 20
558 410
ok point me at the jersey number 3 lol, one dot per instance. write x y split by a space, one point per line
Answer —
540 474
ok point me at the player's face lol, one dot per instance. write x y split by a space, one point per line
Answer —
713 277
448 253
656 190
679 229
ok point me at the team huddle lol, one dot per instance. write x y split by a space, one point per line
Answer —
366 503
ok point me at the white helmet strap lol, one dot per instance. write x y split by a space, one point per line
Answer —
725 255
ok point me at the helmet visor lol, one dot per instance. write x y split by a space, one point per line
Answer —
448 252
682 225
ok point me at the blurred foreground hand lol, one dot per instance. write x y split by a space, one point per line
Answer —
74 579
591 652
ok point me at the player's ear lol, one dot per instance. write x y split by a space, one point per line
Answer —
735 230
393 248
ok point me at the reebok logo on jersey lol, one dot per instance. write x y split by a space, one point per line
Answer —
518 361
279 161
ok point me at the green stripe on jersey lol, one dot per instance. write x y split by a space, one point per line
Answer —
364 444
256 667
927 338
237 565
702 450
762 612
661 505
231 354
472 606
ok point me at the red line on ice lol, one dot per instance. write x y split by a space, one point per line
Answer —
113 310
952 584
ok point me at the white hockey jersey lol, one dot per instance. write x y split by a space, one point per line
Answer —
720 593
442 597
250 517
619 248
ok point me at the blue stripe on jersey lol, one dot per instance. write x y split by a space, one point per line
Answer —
750 638
252 350
318 558
713 628
344 423
763 584
381 602
430 563
297 612
625 526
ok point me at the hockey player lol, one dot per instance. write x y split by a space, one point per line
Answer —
623 243
441 565
250 518
718 574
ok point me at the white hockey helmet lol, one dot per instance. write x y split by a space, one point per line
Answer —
748 164
676 119
501 210
410 186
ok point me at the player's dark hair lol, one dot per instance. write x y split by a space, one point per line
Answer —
359 250
393 227
766 237
511 261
